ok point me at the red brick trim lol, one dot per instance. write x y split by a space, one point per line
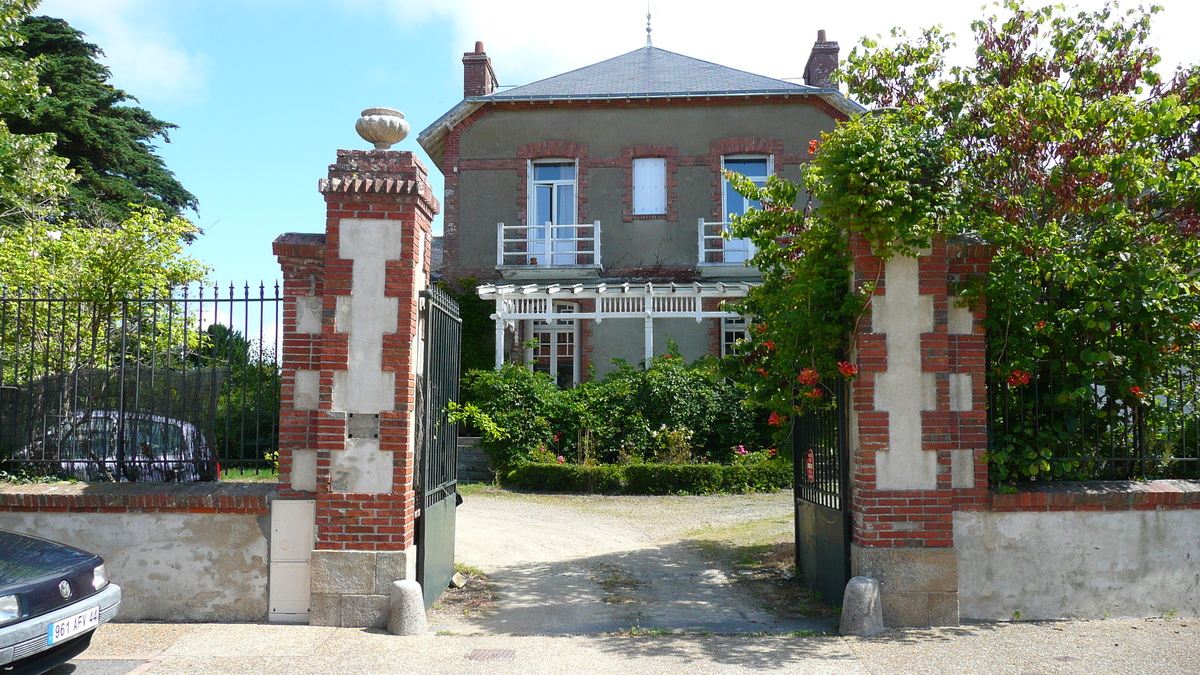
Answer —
1153 495
742 145
667 152
920 518
234 498
553 150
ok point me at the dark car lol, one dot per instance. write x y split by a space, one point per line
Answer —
52 599
104 445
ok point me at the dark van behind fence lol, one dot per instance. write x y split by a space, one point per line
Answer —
148 388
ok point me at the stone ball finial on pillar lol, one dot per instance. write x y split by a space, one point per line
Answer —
383 127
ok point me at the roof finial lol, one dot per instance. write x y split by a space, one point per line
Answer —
648 24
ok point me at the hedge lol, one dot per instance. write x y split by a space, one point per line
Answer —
651 479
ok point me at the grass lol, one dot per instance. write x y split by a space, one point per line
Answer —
241 474
638 631
468 570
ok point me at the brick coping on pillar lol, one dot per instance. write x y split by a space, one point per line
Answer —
233 498
1116 495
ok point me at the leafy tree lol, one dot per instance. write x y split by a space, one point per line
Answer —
109 143
1064 148
247 420
142 254
92 271
32 177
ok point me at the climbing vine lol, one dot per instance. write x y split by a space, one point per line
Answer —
1064 149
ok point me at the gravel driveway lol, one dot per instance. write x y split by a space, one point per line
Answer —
570 564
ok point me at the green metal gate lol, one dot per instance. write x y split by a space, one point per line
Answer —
822 493
437 458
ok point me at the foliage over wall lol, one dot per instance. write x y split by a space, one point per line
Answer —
1064 148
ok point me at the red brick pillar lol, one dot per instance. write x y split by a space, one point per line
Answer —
351 342
918 425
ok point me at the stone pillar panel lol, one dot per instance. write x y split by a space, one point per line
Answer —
904 391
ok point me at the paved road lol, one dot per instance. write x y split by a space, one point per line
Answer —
1166 646
569 564
574 575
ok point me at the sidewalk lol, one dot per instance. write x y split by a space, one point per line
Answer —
1168 646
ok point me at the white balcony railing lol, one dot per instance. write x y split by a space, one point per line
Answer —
548 245
716 248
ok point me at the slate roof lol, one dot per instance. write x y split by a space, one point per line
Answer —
647 71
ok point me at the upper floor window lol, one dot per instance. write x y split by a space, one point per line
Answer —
552 193
756 168
649 186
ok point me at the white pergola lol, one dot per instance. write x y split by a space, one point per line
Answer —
647 301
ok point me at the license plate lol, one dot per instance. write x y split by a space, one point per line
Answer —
71 626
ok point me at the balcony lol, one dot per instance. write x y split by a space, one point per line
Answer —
721 256
549 251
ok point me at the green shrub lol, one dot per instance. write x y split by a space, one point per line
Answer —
678 479
652 479
669 412
567 478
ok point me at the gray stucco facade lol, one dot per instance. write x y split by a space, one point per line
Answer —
687 115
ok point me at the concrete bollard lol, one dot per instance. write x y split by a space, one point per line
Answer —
406 613
862 611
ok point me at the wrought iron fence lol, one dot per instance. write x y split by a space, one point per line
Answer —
1097 430
153 387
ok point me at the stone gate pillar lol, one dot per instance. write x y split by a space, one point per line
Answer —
350 368
918 425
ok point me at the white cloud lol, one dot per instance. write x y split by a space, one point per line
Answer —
533 39
139 48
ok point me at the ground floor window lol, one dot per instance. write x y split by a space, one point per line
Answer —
732 330
555 345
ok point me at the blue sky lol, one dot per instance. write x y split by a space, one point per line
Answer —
265 91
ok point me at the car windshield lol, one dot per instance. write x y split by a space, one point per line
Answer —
97 437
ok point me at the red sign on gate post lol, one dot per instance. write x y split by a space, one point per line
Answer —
810 467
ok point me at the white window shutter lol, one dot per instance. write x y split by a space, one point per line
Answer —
649 186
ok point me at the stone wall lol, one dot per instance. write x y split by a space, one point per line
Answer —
1082 550
186 552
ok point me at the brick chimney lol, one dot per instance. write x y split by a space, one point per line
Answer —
480 80
822 61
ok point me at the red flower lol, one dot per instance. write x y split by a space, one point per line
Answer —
775 420
808 377
770 344
812 147
1041 325
1137 391
764 372
813 393
772 452
1017 378
762 328
848 369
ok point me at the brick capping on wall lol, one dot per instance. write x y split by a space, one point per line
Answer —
1115 495
237 498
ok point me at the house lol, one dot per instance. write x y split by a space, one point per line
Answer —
590 205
